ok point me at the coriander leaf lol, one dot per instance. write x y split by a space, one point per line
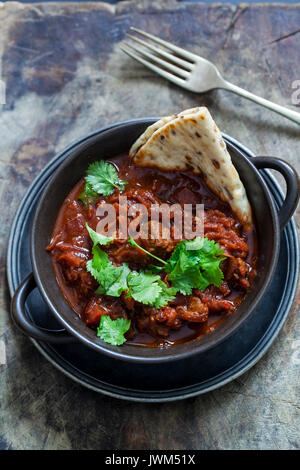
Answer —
111 279
211 248
120 283
166 295
195 264
214 275
98 262
210 258
143 287
102 177
196 244
98 238
112 331
178 261
103 272
100 258
100 290
88 196
187 280
149 289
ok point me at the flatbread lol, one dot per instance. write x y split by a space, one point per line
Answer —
154 127
192 139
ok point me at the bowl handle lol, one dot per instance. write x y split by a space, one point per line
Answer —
26 326
292 185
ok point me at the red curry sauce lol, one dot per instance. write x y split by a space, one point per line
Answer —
187 317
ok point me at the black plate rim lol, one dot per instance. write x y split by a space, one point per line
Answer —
178 393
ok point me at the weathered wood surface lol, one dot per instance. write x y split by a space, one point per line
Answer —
66 76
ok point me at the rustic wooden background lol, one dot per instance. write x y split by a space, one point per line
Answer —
66 76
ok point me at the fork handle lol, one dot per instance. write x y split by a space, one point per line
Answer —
288 113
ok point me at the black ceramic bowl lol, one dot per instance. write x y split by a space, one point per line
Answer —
108 143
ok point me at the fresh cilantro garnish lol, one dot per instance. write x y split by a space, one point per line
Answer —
102 178
210 256
149 289
119 284
98 238
193 264
88 196
166 295
112 331
143 287
112 279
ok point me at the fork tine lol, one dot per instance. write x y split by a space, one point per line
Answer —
178 50
163 73
184 63
157 60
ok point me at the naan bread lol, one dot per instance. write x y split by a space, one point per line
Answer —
192 139
154 127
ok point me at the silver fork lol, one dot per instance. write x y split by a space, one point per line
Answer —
189 70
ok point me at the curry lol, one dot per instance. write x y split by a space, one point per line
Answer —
185 317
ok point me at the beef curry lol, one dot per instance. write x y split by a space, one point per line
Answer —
185 317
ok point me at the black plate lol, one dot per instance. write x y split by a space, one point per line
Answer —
165 382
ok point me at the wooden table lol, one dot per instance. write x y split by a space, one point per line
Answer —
66 76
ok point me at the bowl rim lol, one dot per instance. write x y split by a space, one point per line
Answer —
101 346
